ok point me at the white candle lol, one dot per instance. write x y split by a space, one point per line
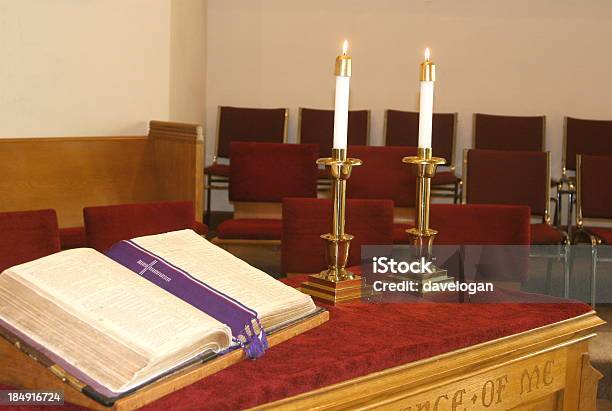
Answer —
426 102
343 78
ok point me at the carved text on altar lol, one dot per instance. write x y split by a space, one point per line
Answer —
491 393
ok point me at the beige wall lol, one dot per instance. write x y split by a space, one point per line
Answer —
518 57
188 61
73 67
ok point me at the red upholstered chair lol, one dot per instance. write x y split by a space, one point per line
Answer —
514 133
517 178
72 237
479 224
26 236
262 175
513 178
594 201
402 129
106 225
241 124
305 219
581 136
317 127
383 176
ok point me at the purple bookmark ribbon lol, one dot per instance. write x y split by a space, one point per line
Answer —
246 328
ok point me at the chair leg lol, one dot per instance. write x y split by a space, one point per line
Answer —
208 201
593 275
456 193
557 219
570 211
566 270
548 275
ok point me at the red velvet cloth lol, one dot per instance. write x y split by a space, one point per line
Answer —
249 124
514 133
250 229
403 130
494 177
596 186
382 175
605 233
26 236
305 219
267 172
317 127
73 237
106 225
219 170
443 178
587 137
361 339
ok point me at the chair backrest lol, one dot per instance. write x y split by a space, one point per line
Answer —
382 175
515 133
402 129
106 225
249 124
508 177
267 172
305 220
26 236
586 137
480 224
317 127
594 187
482 228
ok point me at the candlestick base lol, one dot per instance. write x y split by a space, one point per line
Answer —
336 284
424 283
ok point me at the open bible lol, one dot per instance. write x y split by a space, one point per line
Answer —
114 330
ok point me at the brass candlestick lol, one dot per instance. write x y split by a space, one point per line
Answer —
421 235
336 284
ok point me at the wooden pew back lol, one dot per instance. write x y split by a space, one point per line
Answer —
69 173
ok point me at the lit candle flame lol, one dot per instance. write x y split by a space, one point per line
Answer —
427 54
344 47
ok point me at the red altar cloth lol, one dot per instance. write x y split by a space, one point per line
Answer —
359 339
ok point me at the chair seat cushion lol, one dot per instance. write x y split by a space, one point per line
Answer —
544 234
200 228
400 236
250 229
605 233
73 237
218 170
444 178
